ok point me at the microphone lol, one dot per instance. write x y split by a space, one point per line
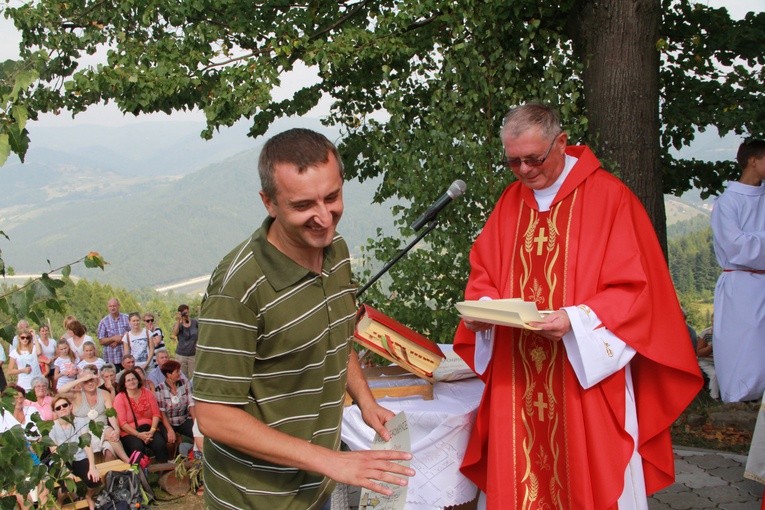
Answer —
457 189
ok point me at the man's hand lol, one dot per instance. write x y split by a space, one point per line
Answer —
554 325
376 416
368 468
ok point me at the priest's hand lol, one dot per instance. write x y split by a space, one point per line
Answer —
554 325
476 326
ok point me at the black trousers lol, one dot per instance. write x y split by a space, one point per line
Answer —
158 444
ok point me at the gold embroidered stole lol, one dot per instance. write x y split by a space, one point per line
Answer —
538 365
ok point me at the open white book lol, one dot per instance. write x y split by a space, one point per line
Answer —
513 312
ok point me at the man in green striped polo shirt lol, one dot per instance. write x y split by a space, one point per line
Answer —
274 355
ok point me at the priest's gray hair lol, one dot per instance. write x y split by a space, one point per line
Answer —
528 116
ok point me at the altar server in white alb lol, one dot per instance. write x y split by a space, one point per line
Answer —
738 227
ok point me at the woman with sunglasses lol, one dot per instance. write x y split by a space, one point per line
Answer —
155 335
66 430
24 363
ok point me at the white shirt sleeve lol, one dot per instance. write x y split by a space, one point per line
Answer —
484 345
593 351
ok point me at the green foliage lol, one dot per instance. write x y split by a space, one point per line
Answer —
190 467
15 80
21 448
693 264
712 73
2 263
440 73
38 298
693 267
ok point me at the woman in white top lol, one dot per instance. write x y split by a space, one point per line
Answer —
64 431
78 337
24 364
136 342
46 343
65 365
47 352
90 356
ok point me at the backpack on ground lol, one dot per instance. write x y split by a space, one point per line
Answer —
123 490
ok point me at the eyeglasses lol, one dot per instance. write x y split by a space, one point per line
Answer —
534 162
62 406
148 320
25 337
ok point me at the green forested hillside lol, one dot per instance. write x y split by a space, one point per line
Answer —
692 262
157 233
694 268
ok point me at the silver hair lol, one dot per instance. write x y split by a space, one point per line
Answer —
528 116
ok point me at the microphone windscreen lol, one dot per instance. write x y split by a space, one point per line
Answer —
457 189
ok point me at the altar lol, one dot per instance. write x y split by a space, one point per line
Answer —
439 431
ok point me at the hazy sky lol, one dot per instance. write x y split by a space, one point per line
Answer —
9 41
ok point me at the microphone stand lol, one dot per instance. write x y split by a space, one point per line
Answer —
433 223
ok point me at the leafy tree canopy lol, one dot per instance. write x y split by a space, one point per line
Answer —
440 73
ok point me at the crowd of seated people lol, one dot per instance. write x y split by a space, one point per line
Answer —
68 383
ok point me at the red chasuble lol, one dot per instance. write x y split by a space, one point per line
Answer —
540 440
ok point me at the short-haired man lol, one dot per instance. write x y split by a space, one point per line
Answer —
275 354
738 232
577 412
110 331
155 375
128 363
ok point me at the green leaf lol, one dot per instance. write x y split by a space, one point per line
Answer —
94 259
5 148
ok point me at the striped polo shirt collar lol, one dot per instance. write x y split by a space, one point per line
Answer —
280 270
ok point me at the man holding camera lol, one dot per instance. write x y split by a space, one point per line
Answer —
185 330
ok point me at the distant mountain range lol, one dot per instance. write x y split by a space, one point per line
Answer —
161 204
150 202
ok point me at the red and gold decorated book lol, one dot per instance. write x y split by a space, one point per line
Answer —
397 343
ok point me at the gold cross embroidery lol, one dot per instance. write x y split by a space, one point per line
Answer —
541 406
540 240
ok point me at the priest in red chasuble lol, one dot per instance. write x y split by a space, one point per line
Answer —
576 414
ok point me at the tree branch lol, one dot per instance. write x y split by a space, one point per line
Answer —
17 289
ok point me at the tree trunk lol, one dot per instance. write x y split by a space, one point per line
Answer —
616 40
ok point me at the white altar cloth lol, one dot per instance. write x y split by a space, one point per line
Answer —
439 431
